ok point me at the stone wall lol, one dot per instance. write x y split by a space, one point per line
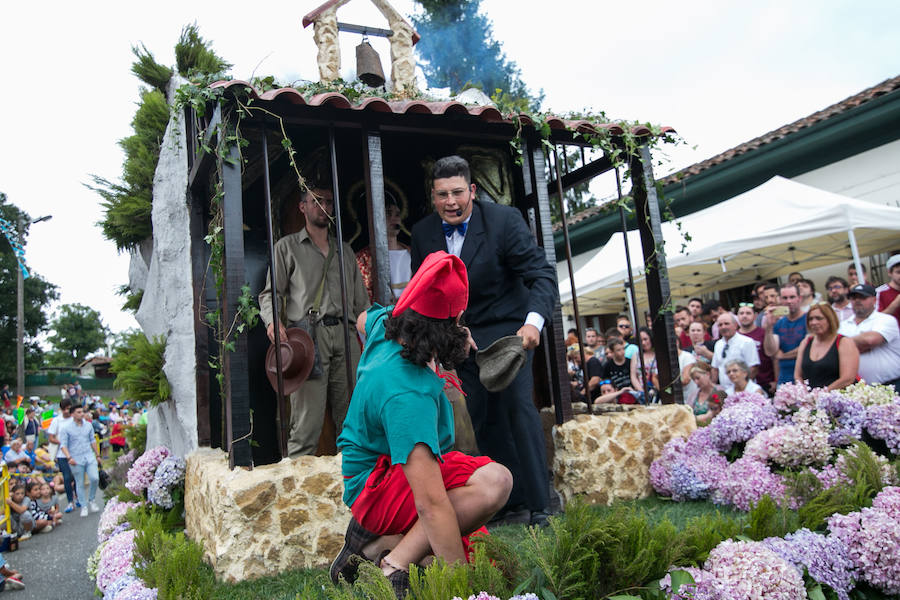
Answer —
276 517
607 457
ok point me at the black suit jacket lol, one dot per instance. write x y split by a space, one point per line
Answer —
509 275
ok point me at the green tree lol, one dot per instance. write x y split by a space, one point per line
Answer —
77 333
38 294
459 51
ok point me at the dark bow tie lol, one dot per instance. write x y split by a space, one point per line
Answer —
448 229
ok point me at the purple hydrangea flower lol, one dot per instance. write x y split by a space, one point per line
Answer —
752 397
825 558
872 537
740 422
113 513
169 474
136 590
745 482
141 473
883 422
113 589
687 469
846 414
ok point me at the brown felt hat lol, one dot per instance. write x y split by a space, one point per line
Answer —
298 353
499 363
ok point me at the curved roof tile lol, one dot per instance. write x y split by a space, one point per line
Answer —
489 114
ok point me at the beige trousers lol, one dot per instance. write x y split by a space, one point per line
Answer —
331 391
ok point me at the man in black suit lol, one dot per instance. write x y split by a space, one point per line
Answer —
512 291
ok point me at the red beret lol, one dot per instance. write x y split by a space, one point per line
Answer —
439 289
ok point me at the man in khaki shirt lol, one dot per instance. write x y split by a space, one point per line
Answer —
299 260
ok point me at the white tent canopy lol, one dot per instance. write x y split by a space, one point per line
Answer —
778 227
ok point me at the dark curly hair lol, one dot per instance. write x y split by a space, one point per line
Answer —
423 338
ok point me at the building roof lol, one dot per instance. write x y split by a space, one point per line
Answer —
488 114
95 360
885 87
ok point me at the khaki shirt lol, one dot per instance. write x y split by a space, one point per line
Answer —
298 266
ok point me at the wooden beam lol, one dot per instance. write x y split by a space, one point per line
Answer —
554 335
581 174
204 161
659 296
199 267
378 243
235 364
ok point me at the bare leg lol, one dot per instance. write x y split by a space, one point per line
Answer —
484 494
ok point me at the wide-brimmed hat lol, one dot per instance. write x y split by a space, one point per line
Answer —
499 363
298 354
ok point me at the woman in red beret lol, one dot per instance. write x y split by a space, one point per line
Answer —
410 495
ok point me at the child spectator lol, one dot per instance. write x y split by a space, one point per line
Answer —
49 503
33 493
609 394
22 520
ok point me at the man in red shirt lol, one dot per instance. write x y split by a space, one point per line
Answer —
766 376
889 294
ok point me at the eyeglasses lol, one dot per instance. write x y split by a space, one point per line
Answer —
457 194
745 305
835 286
623 326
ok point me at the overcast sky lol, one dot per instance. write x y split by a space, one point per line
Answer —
719 72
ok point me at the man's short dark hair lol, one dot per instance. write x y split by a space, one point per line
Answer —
680 308
573 330
809 282
612 332
65 404
695 300
451 166
790 285
29 410
771 286
853 266
590 329
424 338
623 317
709 306
835 278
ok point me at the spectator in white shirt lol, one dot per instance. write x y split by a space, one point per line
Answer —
876 335
730 346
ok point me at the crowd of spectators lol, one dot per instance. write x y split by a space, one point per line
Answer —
49 463
782 333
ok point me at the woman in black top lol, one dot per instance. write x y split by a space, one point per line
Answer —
825 359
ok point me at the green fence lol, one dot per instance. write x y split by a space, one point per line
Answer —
57 379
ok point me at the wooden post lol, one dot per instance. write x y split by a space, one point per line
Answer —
646 204
376 212
554 336
234 364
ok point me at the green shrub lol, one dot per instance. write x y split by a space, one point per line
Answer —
172 563
139 369
769 519
136 437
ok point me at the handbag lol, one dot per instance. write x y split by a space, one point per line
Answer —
310 322
104 479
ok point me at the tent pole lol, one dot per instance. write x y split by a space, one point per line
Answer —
632 298
860 274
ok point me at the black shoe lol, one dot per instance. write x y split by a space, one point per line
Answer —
539 518
400 582
347 562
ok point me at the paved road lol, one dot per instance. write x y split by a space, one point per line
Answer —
54 564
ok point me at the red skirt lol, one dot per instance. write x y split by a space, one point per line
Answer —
386 504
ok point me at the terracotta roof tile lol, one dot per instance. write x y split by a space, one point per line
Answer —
489 114
885 87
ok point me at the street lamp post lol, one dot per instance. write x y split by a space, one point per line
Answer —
20 313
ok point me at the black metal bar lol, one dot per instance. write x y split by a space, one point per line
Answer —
339 234
364 30
581 174
565 228
659 295
560 389
280 411
374 175
634 304
199 266
235 364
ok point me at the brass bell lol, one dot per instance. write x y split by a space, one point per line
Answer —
368 65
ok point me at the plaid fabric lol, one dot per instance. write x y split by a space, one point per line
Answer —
346 564
400 582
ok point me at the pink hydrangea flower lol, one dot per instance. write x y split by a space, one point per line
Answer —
751 571
746 481
141 473
792 396
112 516
116 558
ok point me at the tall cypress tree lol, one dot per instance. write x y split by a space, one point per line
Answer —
459 50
